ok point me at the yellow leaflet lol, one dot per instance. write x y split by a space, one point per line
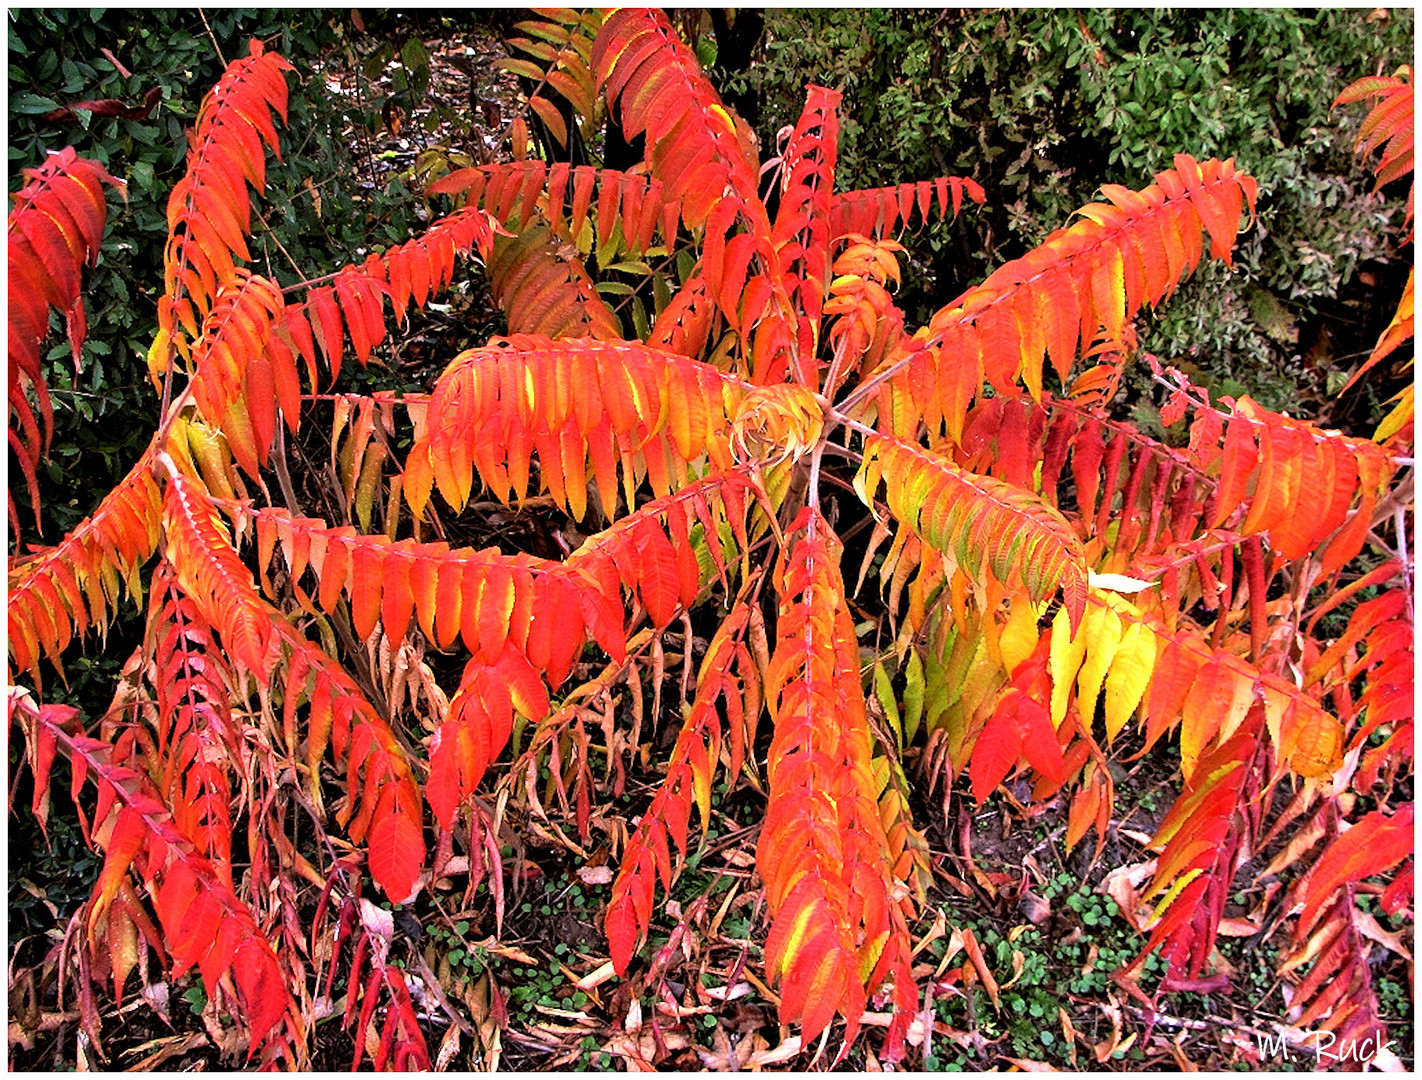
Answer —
1108 286
796 936
1174 891
209 453
1276 706
982 681
1129 676
1066 659
158 358
869 954
1316 740
1392 423
123 944
584 239
1242 683
1019 635
725 117
1102 631
370 478
392 508
177 445
879 767
700 764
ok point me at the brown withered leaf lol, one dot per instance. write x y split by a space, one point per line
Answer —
1034 908
1369 928
725 1055
1122 885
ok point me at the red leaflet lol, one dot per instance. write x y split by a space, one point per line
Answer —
327 328
1085 806
1399 893
1039 740
1373 846
108 107
876 211
479 724
998 747
1176 667
366 587
397 853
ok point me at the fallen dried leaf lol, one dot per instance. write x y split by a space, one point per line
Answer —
1104 1049
1019 964
975 954
1369 928
595 875
1238 928
510 952
448 1047
729 993
784 1052
1122 885
1177 1051
630 1050
725 1055
165 1049
1068 1033
597 976
1034 908
1028 1065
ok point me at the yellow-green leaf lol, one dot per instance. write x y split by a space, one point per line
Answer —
1019 634
884 692
913 695
1102 631
1129 676
1066 658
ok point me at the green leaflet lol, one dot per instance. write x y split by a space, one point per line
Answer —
978 519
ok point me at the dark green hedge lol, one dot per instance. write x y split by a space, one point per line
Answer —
1043 106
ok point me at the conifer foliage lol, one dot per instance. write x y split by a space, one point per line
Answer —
1057 585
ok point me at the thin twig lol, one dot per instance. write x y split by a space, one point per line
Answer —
215 46
1404 555
288 493
1208 1024
280 247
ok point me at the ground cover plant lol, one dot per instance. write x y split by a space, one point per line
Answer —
708 513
